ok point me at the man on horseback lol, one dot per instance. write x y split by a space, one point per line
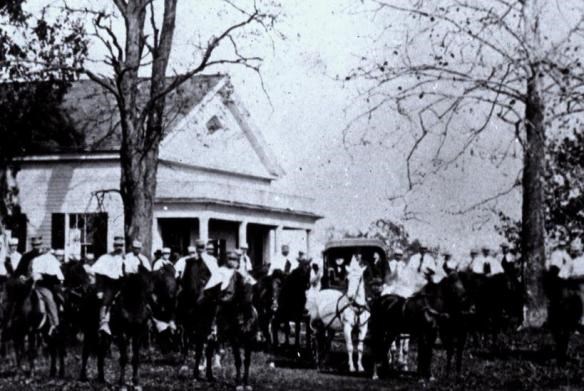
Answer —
163 260
12 257
134 259
23 268
284 262
47 277
245 265
108 270
179 266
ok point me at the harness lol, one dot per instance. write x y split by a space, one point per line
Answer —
358 308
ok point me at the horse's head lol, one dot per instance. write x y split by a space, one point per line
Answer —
457 294
356 285
164 292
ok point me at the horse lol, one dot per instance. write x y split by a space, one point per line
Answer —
237 322
163 305
499 301
76 285
27 321
437 308
129 315
265 294
289 304
196 314
332 311
564 311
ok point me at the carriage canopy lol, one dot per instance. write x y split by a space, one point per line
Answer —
345 249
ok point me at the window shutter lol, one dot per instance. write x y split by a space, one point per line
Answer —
58 231
99 234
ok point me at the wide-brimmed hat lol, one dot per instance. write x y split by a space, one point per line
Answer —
200 243
37 241
166 250
191 249
137 244
13 242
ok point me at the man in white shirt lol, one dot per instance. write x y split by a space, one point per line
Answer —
179 266
163 260
422 267
577 259
47 276
135 259
245 265
13 257
284 262
490 265
108 269
560 260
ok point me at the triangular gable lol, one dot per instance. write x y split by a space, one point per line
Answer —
216 134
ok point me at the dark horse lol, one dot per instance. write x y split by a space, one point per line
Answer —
237 322
499 301
265 293
437 309
27 322
290 304
564 311
130 313
196 313
165 288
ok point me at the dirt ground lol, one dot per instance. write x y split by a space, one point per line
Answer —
523 363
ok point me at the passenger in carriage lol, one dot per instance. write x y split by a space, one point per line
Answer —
337 274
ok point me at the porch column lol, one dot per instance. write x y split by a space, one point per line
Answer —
278 238
156 237
242 236
204 227
308 237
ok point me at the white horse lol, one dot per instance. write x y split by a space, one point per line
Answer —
332 311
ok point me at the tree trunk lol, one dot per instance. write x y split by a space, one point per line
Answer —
533 228
138 189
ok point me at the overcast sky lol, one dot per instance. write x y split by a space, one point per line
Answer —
316 44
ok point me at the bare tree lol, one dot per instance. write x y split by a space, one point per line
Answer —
146 46
508 66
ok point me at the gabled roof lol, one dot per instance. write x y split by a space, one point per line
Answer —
92 113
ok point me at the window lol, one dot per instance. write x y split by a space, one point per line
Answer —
214 124
79 233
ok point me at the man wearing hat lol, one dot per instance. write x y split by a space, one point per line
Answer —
24 265
283 262
108 269
487 264
163 260
423 266
390 269
448 264
245 265
134 259
179 266
13 257
560 260
47 276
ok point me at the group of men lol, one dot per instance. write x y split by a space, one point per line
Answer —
43 266
403 277
568 259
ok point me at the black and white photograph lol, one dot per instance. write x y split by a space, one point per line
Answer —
291 195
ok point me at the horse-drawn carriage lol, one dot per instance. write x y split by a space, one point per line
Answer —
337 256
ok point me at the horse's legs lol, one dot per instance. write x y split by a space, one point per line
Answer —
404 349
347 329
246 362
53 355
237 361
84 357
101 351
275 327
360 342
62 353
210 349
136 341
460 342
297 326
123 348
31 352
198 356
287 332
